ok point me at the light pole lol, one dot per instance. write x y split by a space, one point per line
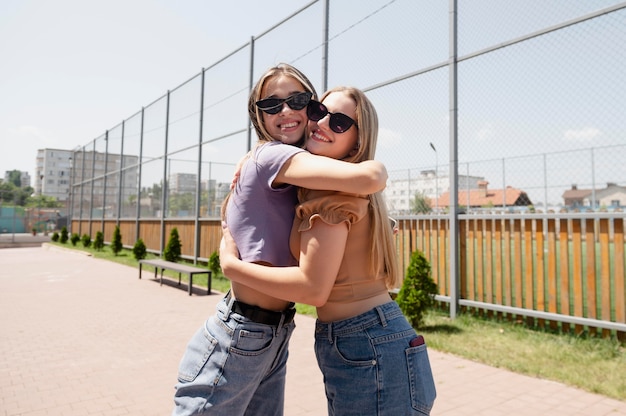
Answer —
436 178
39 202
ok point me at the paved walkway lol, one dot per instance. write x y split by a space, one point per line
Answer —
82 336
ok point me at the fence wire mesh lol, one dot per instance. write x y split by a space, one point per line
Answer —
540 93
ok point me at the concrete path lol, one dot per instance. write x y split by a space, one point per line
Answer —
82 336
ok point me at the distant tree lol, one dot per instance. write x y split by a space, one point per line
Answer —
181 202
420 204
116 244
139 250
15 177
7 192
55 237
63 235
214 263
86 240
42 201
173 248
74 239
98 242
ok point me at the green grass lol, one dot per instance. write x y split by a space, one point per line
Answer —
590 363
593 364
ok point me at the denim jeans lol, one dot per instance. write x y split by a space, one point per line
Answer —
233 367
369 367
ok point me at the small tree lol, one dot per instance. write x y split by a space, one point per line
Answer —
172 249
116 244
75 239
214 263
418 290
55 237
420 204
86 240
98 242
139 250
64 235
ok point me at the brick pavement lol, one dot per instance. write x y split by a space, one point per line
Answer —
82 336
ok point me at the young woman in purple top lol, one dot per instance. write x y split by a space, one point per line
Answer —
372 360
235 364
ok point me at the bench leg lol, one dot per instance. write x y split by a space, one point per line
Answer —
190 282
140 270
208 283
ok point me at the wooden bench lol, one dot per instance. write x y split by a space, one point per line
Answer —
177 267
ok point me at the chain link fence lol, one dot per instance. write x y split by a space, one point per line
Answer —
538 87
484 107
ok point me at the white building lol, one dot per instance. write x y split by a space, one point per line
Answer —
401 191
54 170
52 174
181 183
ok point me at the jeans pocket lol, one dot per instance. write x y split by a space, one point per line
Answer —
250 342
198 351
355 351
423 391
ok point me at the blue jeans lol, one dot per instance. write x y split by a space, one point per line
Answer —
233 366
369 367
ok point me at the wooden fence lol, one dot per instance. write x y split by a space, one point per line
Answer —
559 268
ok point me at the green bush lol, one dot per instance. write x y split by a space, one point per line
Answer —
418 290
55 237
214 263
86 240
63 235
173 248
116 244
98 242
139 250
75 239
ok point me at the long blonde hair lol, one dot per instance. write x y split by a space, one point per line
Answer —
383 258
256 115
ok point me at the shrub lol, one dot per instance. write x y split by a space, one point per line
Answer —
139 250
172 249
98 242
55 237
75 239
418 290
86 240
64 235
214 263
116 244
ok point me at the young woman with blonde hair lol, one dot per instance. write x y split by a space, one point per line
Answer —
235 363
372 360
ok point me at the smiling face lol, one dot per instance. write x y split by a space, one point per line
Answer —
287 125
322 140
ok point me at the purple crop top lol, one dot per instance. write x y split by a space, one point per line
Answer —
258 216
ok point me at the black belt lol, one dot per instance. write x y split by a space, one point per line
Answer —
261 315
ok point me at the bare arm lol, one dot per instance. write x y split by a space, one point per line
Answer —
319 172
321 253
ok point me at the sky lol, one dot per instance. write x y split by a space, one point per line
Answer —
73 68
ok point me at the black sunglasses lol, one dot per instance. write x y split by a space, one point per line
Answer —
339 122
275 105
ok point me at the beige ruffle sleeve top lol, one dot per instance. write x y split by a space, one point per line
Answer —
354 281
